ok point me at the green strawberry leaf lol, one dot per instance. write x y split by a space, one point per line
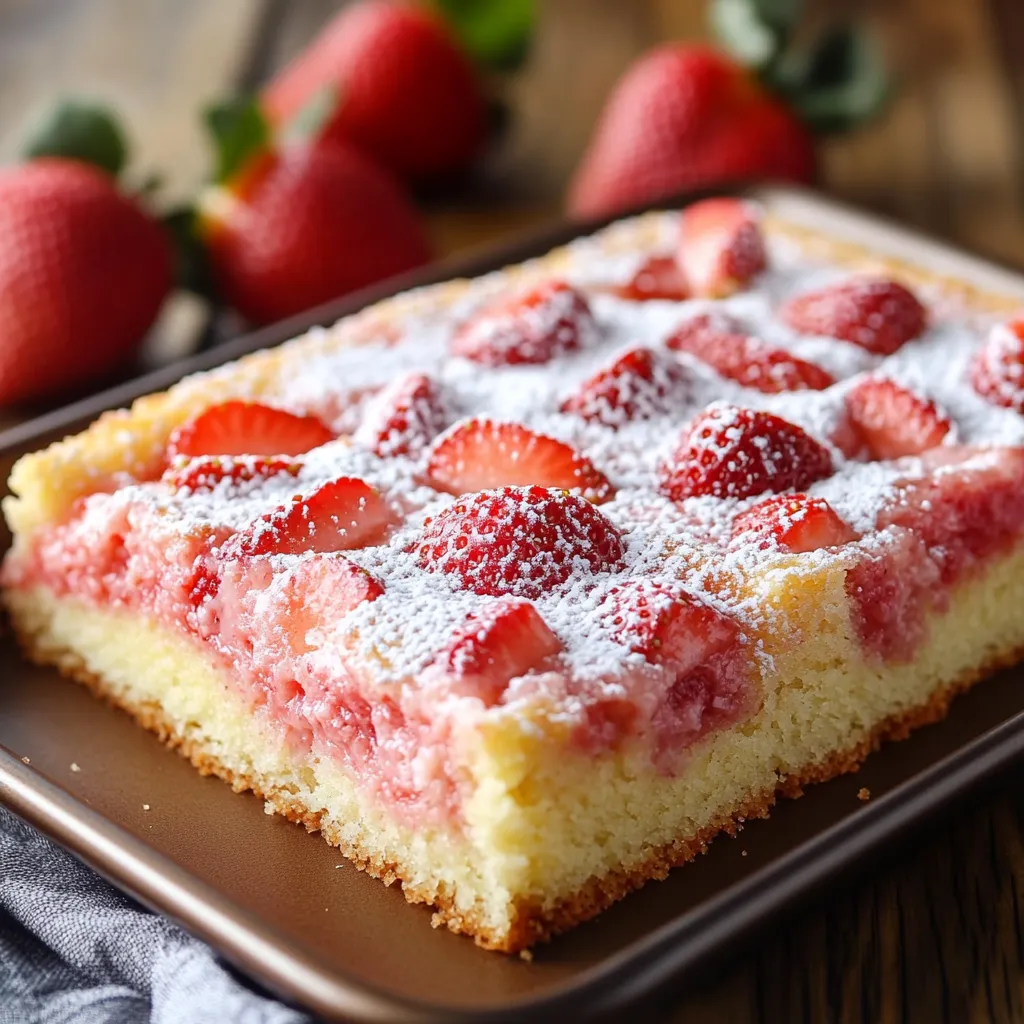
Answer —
191 265
80 131
313 116
755 32
239 131
496 33
839 83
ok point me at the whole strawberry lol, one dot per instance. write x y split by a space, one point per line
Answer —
83 272
408 95
304 223
682 117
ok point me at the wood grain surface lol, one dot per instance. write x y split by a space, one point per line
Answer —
936 933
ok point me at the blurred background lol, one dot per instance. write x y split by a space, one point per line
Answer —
923 121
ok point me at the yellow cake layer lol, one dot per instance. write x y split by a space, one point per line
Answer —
553 834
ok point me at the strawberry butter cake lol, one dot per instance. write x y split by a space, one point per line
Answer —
521 589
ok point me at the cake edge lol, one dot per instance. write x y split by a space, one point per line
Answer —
532 923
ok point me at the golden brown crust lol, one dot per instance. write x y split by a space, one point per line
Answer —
533 923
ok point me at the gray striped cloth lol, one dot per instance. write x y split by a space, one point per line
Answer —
74 950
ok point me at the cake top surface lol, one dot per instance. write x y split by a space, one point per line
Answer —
676 524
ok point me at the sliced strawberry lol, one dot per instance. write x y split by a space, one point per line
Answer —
719 342
404 418
639 384
318 592
893 421
499 641
720 247
343 514
667 627
658 277
997 371
528 327
518 540
731 452
479 454
247 428
205 473
794 522
876 313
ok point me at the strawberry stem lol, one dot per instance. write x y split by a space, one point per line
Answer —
239 132
78 130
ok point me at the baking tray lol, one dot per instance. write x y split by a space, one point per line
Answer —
286 909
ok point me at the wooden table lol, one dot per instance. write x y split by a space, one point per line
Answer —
938 933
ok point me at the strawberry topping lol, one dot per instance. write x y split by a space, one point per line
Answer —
731 452
659 277
796 523
520 541
719 342
528 327
721 247
345 513
893 421
404 418
247 428
878 314
997 371
205 473
499 641
638 385
480 454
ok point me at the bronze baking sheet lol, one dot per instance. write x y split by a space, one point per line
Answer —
285 907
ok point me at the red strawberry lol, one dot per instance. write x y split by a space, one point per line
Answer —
344 514
407 94
720 246
667 627
479 454
719 342
318 592
83 272
301 226
893 421
404 418
659 277
247 428
205 473
794 522
637 385
518 540
526 327
730 452
499 641
997 372
878 314
681 117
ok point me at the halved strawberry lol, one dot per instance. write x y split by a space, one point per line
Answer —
247 428
343 514
997 371
720 247
876 313
518 540
205 473
499 641
893 421
721 343
317 592
794 522
404 418
668 627
658 277
732 452
479 454
527 327
639 384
